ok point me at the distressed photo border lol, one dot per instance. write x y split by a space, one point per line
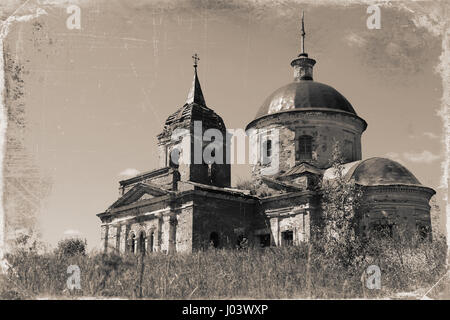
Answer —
434 16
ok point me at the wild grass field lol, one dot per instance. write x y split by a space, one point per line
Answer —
305 271
334 264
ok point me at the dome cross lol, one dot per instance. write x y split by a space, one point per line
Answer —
196 59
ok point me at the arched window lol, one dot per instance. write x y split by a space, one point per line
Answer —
142 243
132 243
304 148
174 158
151 241
267 151
214 239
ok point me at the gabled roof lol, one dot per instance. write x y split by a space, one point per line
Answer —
302 168
280 185
136 192
145 175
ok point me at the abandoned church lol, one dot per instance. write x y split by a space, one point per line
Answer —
182 207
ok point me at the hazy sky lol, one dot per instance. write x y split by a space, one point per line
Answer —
97 97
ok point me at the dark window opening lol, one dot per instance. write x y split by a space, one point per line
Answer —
424 232
264 240
214 239
268 148
212 173
142 243
151 241
304 148
266 152
242 242
288 238
132 243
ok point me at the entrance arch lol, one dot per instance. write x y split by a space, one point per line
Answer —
214 239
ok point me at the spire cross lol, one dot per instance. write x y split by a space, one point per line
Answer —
303 32
196 59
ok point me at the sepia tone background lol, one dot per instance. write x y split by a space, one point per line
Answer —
94 99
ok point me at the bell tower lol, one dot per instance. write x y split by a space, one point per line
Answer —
193 140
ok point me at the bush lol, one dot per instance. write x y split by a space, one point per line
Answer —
71 247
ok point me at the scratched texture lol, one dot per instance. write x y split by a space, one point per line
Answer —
24 186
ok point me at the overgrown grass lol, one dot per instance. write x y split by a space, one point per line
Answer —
275 272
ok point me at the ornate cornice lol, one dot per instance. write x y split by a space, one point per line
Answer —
312 112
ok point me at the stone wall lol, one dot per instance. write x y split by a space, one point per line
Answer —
292 212
166 225
325 128
228 216
405 208
184 230
191 169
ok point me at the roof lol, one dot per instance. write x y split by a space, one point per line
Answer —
381 171
145 175
304 94
233 191
376 171
195 95
194 109
192 112
302 168
137 191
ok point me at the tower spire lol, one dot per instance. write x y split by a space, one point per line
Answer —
195 94
303 32
303 66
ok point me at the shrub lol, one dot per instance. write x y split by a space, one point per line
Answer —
71 247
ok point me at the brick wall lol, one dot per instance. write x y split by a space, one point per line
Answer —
228 216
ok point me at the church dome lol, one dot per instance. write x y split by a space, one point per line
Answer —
381 171
305 94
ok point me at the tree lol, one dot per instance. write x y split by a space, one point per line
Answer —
71 247
340 201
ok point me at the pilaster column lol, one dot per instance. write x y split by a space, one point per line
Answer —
123 238
104 237
170 229
157 235
173 234
112 238
118 238
275 230
307 225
